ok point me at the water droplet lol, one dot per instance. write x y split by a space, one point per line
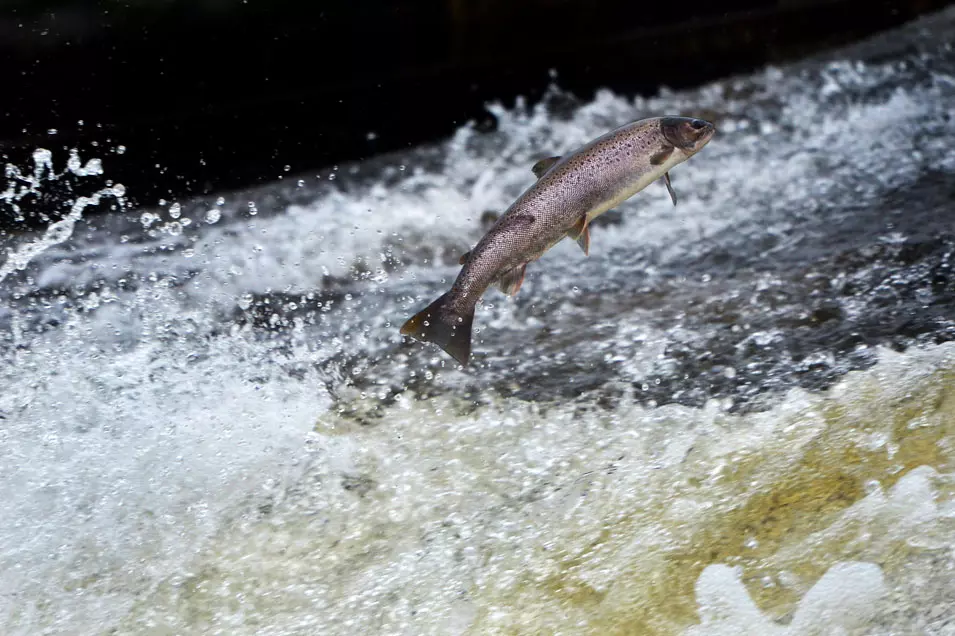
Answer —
73 163
120 150
175 210
42 157
220 201
92 167
189 252
213 216
52 131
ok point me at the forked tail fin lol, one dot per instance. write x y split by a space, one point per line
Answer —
437 324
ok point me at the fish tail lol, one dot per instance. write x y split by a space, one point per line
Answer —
449 330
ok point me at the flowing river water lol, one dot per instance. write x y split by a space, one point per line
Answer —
736 416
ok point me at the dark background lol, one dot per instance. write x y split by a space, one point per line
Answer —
211 95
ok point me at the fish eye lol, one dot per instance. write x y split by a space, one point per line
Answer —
698 123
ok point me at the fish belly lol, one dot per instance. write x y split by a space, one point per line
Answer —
630 188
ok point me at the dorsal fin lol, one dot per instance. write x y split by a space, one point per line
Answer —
541 167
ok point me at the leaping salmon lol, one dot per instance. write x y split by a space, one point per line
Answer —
570 192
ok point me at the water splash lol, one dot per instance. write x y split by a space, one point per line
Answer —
20 185
210 424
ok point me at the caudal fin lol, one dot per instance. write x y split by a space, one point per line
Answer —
437 324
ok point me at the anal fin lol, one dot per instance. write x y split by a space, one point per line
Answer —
511 280
581 233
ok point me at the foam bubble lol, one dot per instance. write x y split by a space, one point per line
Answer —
843 600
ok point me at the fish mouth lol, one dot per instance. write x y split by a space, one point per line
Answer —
689 134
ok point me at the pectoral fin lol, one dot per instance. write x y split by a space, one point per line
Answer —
666 180
543 166
511 280
661 155
581 233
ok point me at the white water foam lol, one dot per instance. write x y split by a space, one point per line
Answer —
521 519
844 599
156 458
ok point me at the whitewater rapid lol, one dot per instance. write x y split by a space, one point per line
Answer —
734 416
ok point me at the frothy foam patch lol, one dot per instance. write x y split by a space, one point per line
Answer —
116 467
513 518
847 596
844 599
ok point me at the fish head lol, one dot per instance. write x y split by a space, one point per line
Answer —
687 133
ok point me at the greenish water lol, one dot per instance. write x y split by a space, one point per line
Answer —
516 519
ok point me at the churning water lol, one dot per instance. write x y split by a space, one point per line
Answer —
737 416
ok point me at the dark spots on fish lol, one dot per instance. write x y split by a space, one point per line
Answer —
515 222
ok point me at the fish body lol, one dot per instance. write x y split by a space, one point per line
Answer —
571 191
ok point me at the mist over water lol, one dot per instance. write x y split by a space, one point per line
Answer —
734 416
